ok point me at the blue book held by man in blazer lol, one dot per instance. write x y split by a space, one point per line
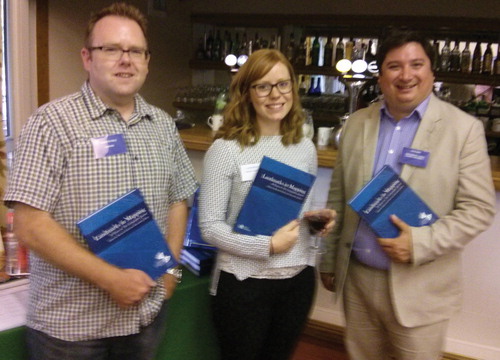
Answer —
387 194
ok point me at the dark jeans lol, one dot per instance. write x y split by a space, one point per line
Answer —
140 346
259 318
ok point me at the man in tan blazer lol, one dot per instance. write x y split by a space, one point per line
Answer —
400 293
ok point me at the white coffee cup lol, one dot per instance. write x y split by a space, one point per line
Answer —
324 135
215 121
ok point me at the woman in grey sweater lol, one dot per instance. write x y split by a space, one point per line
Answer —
263 286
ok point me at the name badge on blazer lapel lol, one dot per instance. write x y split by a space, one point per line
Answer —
414 157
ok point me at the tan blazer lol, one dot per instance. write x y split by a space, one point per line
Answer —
456 184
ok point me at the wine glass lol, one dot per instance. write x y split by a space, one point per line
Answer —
316 223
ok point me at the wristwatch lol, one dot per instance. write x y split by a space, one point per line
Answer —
176 272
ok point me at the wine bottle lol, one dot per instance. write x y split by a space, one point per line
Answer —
487 60
476 59
444 59
235 46
244 45
312 85
301 53
349 45
315 51
369 55
290 49
256 42
436 66
272 44
216 53
496 66
328 54
465 59
226 49
200 50
209 43
317 87
357 51
455 58
339 51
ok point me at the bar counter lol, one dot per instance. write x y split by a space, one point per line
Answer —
200 137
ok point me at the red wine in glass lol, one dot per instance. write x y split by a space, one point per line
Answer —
316 223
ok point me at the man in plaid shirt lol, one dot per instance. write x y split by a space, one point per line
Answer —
80 306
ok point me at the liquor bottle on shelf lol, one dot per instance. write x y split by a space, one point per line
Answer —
301 59
235 46
339 51
315 87
264 44
496 65
209 43
217 50
290 49
249 47
226 49
315 50
349 45
435 45
200 50
243 45
455 58
256 42
357 51
487 60
465 59
444 59
328 53
302 85
369 55
476 59
273 44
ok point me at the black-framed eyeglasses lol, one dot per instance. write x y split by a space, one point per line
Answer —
262 90
116 53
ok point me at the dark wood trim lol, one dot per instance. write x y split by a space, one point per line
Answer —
335 334
42 50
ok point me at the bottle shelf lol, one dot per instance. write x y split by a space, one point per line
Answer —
453 77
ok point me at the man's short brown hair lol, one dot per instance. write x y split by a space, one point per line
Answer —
116 9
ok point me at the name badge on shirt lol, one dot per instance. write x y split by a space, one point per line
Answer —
414 157
109 145
249 171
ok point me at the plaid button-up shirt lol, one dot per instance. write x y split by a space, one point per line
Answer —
55 170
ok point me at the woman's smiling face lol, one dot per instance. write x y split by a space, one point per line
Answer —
271 109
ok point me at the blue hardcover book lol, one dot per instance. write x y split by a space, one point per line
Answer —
125 234
275 198
387 194
198 261
193 235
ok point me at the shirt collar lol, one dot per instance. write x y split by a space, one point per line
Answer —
98 108
418 113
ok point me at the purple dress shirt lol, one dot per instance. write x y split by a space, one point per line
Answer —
392 138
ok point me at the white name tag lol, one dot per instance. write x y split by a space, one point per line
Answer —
249 171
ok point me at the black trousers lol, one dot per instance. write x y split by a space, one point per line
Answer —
261 319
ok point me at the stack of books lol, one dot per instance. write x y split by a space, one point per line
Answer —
198 261
197 255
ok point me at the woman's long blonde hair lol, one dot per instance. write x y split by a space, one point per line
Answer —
239 114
